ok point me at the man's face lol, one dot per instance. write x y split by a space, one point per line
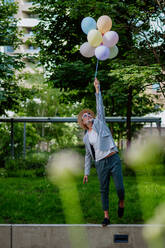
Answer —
87 118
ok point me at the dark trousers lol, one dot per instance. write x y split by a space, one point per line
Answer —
105 168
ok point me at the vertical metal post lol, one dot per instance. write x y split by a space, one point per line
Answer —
151 128
122 144
158 123
12 138
24 141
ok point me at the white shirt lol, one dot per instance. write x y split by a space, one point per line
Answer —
93 140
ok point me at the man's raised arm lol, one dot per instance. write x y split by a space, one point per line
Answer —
99 101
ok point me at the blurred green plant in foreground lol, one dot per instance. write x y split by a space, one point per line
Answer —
155 235
148 154
62 169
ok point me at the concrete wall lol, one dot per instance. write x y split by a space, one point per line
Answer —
70 236
5 236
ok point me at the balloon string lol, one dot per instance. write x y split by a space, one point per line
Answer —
96 67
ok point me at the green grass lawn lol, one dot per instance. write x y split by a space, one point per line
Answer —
36 200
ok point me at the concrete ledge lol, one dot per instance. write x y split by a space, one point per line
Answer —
77 236
73 236
5 236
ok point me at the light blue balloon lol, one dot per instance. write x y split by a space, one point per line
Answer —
87 24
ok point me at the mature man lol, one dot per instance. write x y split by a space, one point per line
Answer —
101 147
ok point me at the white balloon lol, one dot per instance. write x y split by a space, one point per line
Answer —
87 50
110 38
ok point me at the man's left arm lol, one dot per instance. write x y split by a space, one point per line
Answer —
99 101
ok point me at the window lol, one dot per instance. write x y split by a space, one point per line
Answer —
27 14
155 87
157 107
28 32
35 16
31 48
28 1
9 49
9 1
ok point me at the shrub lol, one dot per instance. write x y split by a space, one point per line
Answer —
36 160
33 165
3 172
21 173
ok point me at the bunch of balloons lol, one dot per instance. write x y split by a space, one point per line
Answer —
101 41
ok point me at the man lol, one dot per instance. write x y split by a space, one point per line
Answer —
101 147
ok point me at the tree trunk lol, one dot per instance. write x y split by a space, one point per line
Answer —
129 113
113 110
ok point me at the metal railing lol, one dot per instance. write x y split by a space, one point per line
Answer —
151 120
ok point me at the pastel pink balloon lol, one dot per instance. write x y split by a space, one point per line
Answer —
110 38
102 52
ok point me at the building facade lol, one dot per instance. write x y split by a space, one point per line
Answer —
27 20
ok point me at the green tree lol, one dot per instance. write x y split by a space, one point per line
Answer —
149 42
32 138
59 33
130 87
50 103
10 93
123 89
59 36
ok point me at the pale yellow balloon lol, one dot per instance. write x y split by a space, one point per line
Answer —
94 38
104 24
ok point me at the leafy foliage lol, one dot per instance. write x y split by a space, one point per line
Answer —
11 94
124 79
58 49
8 27
31 140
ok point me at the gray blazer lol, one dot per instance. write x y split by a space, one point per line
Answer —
105 139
